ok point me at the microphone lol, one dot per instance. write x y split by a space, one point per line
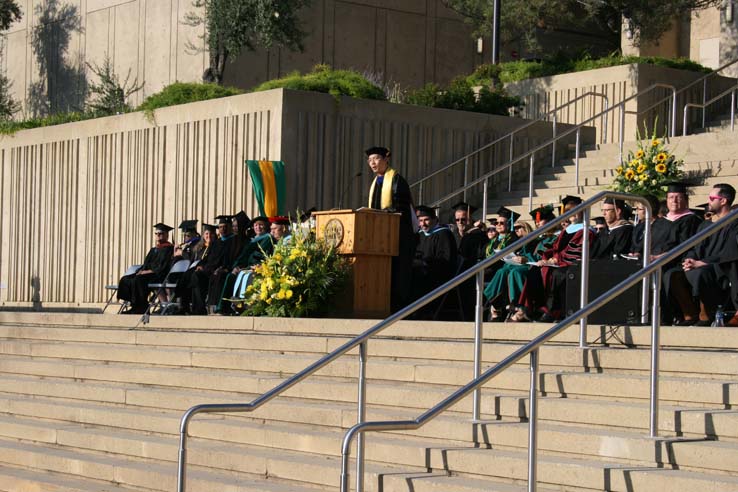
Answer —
348 186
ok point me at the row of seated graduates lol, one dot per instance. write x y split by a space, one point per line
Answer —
218 256
533 288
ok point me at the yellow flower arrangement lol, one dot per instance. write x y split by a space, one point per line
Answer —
647 168
299 279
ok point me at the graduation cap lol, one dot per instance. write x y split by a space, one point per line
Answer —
508 214
162 227
464 206
261 218
188 226
599 221
570 199
224 219
678 187
307 214
383 151
700 210
280 220
423 211
209 228
544 212
242 219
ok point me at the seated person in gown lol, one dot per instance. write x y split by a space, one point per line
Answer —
472 243
504 290
135 288
543 293
616 239
706 267
192 288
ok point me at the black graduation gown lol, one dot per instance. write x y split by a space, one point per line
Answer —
472 249
711 283
401 290
435 260
681 229
193 286
663 237
613 242
135 288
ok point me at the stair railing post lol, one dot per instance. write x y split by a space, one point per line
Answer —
584 281
704 101
420 192
646 261
576 157
466 174
553 150
533 423
604 124
621 132
509 171
732 110
478 318
684 120
484 199
655 342
673 112
530 182
361 417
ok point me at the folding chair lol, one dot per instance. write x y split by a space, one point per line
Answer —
161 288
114 290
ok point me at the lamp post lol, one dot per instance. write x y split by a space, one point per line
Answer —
496 32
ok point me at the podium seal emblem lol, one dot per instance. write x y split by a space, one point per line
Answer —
333 232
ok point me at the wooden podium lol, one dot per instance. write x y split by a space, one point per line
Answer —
370 239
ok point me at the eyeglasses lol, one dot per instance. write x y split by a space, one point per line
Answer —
714 197
463 221
519 227
158 233
501 222
605 210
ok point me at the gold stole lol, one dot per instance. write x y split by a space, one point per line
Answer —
386 200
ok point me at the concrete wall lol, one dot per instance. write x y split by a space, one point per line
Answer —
78 200
410 42
543 94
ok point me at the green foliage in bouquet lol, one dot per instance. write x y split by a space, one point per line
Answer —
301 278
646 170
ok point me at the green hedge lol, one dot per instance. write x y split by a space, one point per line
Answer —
521 70
183 93
324 79
9 127
460 95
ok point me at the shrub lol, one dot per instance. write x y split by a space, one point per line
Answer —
460 95
9 127
183 93
324 79
110 95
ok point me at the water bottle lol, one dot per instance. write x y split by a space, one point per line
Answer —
719 317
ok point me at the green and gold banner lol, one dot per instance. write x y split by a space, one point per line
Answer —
270 186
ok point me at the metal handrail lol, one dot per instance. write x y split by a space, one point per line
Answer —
361 340
704 105
531 348
577 128
510 135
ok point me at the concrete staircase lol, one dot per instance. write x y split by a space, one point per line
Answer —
711 155
89 404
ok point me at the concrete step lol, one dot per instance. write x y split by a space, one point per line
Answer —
25 480
388 361
135 472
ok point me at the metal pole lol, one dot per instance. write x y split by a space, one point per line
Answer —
621 131
484 199
533 423
604 125
646 260
576 158
553 150
655 329
496 32
684 122
420 192
466 175
478 345
673 113
361 417
512 152
584 287
732 110
530 183
181 473
704 100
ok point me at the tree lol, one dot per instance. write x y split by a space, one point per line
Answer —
110 95
521 19
9 12
232 25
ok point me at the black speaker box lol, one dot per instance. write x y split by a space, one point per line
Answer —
603 275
